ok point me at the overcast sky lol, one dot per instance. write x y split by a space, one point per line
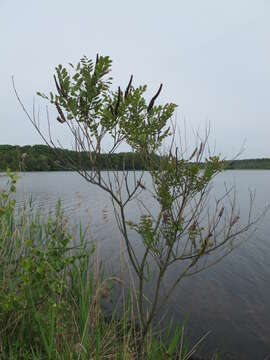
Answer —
212 56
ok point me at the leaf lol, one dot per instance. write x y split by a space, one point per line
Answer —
174 341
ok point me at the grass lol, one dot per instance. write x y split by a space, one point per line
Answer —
51 294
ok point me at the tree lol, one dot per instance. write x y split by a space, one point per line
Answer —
181 229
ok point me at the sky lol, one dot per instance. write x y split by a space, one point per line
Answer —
213 58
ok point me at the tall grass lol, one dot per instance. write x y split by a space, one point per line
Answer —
51 291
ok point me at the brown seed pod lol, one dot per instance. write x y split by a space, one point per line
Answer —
221 212
193 154
118 101
235 220
62 118
128 87
201 148
151 104
57 86
63 90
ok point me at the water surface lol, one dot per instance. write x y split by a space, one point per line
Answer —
231 299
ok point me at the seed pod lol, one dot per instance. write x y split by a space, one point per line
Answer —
97 59
201 148
221 212
151 104
62 118
193 154
57 86
235 220
128 87
118 101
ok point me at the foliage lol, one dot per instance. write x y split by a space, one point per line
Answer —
34 259
51 291
179 230
86 97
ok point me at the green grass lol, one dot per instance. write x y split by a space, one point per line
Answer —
51 291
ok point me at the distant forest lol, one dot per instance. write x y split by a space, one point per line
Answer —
42 158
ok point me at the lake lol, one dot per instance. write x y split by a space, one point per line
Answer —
231 299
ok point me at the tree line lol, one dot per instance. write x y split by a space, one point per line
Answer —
43 158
